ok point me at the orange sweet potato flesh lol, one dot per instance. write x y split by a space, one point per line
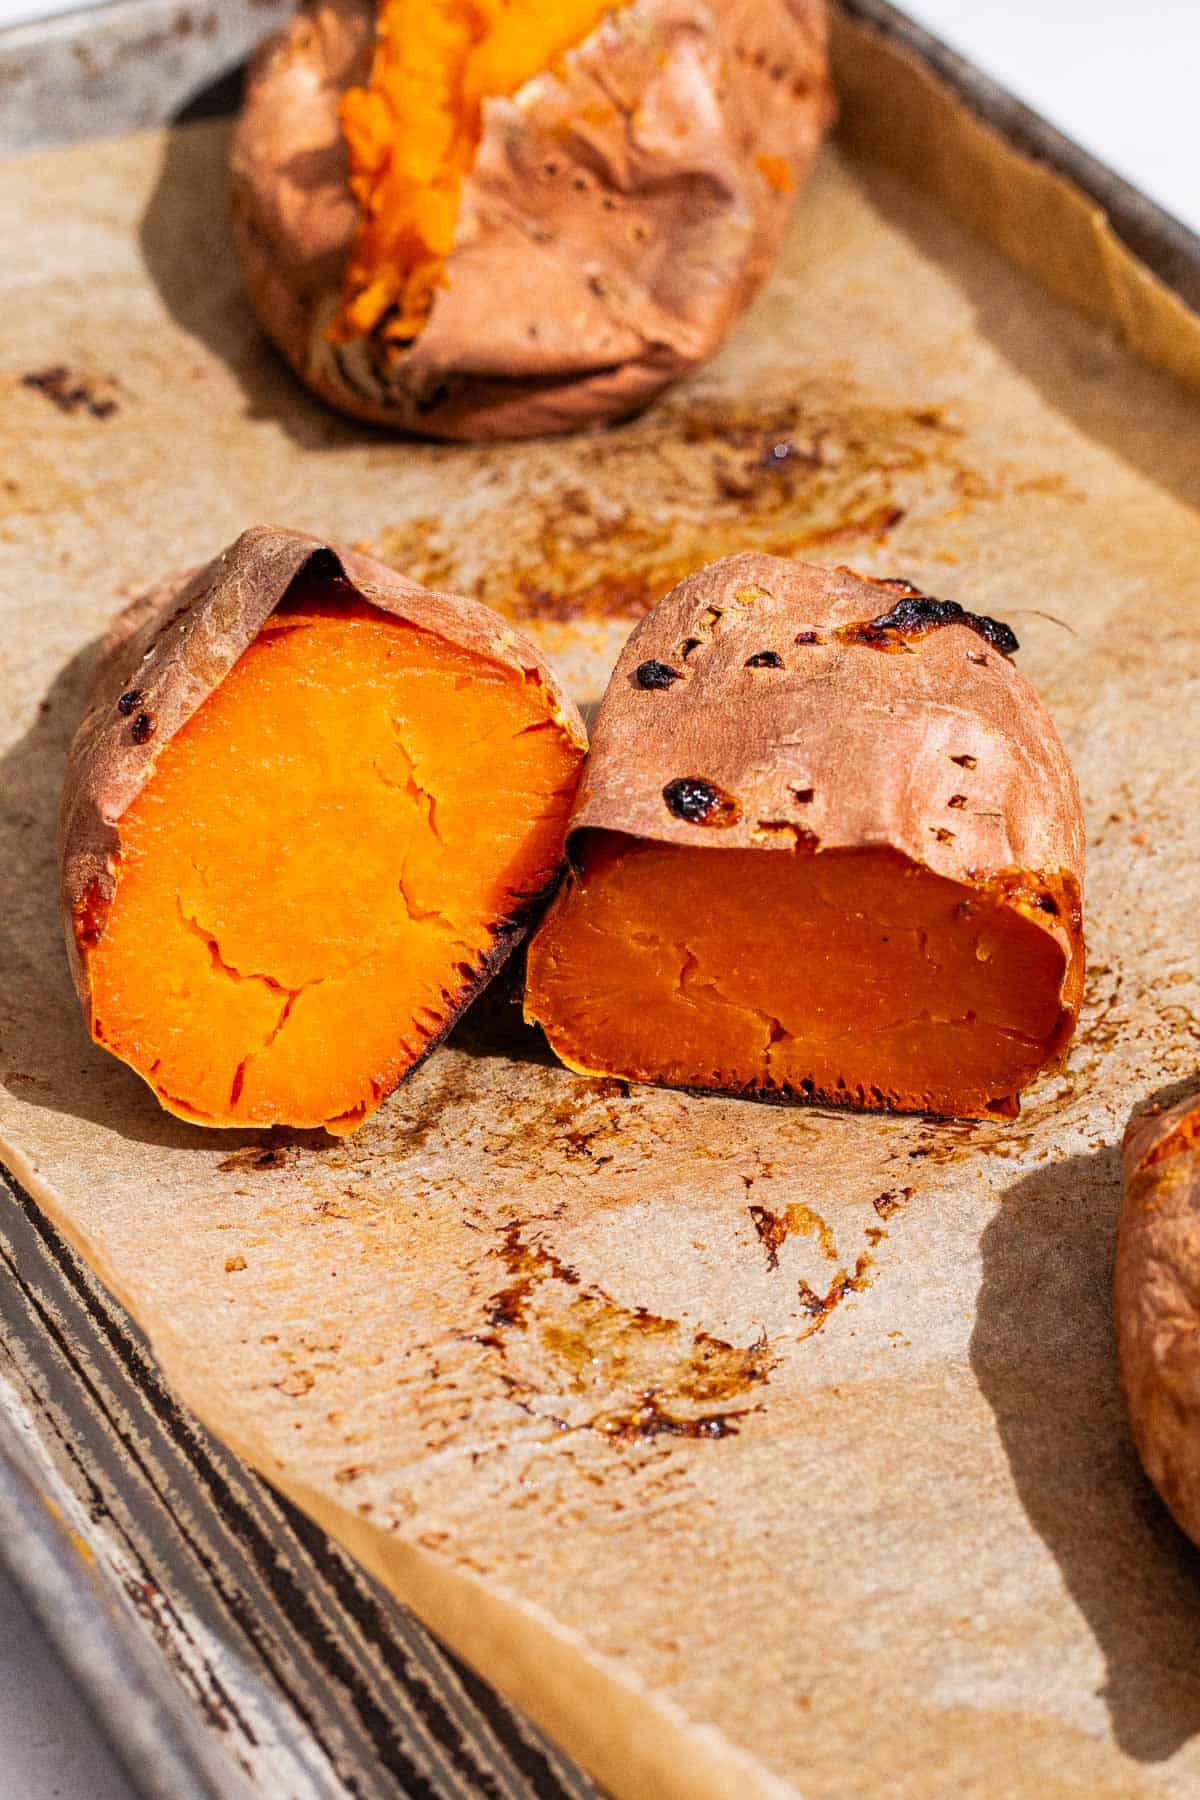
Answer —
413 132
852 977
318 865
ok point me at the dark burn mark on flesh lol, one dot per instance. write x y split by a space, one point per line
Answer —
654 674
700 802
68 392
144 727
965 762
915 615
807 637
129 702
764 659
1047 903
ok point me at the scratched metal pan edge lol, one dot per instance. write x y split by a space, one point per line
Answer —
222 1642
114 1652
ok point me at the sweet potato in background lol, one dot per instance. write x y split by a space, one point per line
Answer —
828 846
304 820
583 202
1157 1300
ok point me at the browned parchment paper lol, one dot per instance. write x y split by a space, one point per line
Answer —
755 1451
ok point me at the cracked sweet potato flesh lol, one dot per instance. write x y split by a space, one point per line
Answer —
413 133
317 869
855 977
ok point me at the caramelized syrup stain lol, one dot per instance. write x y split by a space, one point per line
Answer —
774 1229
679 1381
788 476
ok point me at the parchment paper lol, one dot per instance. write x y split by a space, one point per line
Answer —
753 1450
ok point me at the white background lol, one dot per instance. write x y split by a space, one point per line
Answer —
1124 81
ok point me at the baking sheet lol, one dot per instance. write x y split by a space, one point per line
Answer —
879 1526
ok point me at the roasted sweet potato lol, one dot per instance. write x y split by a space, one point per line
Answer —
1157 1299
488 218
828 846
304 820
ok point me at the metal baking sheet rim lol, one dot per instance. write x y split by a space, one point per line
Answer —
135 1702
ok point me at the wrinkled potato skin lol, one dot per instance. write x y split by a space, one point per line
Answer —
595 262
1157 1300
755 733
176 644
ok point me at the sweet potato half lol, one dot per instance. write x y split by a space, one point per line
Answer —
828 847
1157 1300
485 218
304 820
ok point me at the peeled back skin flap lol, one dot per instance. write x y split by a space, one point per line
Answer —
828 847
305 819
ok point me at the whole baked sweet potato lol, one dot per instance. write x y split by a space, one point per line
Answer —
489 218
1157 1300
304 820
828 846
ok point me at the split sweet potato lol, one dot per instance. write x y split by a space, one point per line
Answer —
828 846
304 820
1157 1300
484 218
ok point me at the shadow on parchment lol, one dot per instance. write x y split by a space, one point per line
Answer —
1043 1351
1135 413
187 246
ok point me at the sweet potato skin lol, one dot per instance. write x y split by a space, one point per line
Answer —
170 648
1156 1296
617 220
758 706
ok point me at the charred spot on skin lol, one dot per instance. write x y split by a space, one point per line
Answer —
144 727
129 702
807 637
654 674
689 646
966 762
764 659
803 796
915 615
1048 904
700 802
958 801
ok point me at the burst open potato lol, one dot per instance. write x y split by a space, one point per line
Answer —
304 820
1157 1300
828 846
485 218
